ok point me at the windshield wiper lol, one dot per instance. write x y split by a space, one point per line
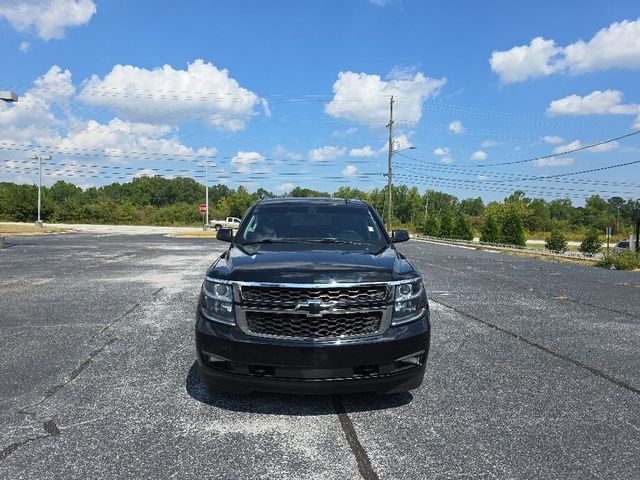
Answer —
266 240
336 240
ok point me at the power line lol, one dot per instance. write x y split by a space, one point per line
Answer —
493 182
516 177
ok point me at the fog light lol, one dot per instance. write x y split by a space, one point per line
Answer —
216 362
411 361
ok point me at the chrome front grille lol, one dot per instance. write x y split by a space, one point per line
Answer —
291 296
290 325
310 312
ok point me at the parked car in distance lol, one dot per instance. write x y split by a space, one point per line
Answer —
621 246
312 297
229 222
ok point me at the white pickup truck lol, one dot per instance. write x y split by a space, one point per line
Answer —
229 222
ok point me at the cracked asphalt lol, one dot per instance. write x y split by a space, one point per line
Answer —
534 372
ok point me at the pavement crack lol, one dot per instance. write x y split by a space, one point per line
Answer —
594 371
49 426
68 379
362 459
111 324
157 292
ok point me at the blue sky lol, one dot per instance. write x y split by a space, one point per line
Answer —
285 93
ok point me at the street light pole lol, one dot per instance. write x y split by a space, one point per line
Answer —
40 159
206 191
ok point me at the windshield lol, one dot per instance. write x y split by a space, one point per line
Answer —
312 223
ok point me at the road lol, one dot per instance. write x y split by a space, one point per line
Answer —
534 372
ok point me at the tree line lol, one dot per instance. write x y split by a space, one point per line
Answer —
160 201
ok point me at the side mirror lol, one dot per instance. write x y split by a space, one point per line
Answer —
399 236
225 234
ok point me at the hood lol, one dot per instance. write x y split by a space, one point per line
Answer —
305 263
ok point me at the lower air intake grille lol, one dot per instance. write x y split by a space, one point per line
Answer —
303 326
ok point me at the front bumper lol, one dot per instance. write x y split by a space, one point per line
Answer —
245 363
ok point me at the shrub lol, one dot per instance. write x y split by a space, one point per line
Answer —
591 243
621 261
556 242
513 229
446 225
462 228
431 226
490 230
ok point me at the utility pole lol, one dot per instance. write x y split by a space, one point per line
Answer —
637 219
389 173
40 159
426 205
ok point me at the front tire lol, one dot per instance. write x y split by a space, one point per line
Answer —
217 226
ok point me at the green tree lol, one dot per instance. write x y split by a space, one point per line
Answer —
446 225
431 226
591 243
472 206
490 229
556 242
462 228
348 192
512 229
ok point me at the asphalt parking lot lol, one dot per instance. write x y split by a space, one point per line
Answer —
534 372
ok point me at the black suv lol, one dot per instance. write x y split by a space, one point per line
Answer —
312 297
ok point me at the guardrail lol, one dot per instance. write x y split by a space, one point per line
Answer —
508 247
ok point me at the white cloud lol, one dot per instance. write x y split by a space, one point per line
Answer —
552 139
147 172
245 162
483 177
118 140
401 142
636 123
526 61
479 155
43 120
447 160
365 151
285 187
554 162
568 147
361 97
440 151
489 144
281 153
344 133
326 153
350 171
456 127
615 46
597 102
606 147
24 47
202 93
33 117
47 18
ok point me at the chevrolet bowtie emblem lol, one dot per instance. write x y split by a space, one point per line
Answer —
313 308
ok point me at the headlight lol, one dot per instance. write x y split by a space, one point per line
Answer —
217 302
410 302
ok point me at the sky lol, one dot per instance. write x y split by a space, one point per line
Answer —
278 94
